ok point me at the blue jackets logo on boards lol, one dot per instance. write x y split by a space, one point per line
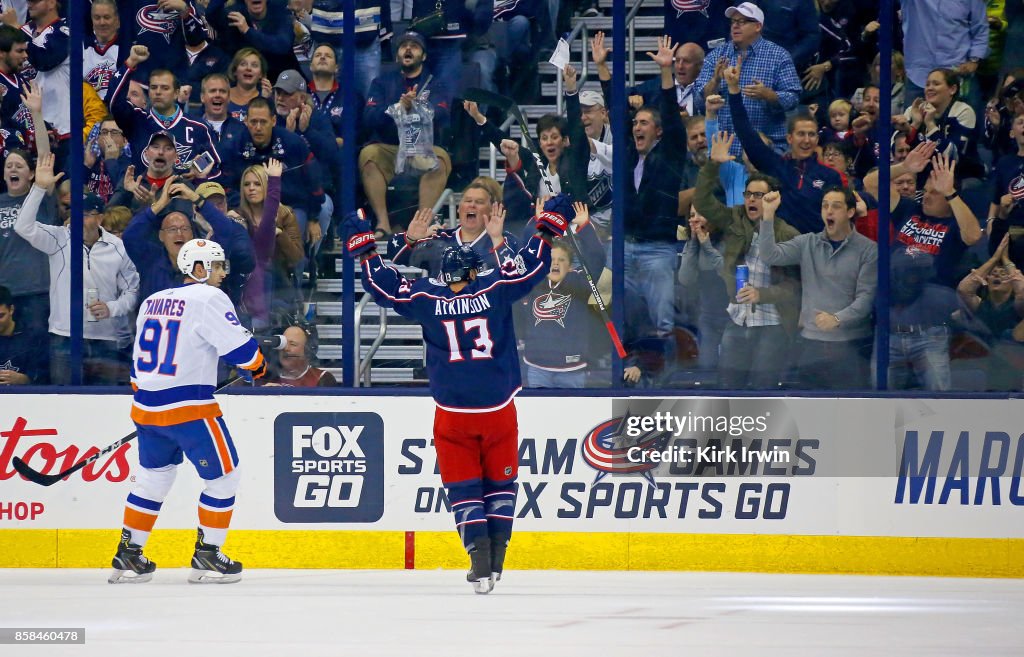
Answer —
606 449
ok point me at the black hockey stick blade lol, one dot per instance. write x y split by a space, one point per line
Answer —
37 477
485 97
50 479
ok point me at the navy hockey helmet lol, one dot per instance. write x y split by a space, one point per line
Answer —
456 263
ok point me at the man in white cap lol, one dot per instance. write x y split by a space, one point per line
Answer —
770 84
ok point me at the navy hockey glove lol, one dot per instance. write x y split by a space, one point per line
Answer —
552 223
360 243
561 204
357 233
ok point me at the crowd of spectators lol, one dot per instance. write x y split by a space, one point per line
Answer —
751 203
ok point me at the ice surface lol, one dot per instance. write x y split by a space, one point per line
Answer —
307 613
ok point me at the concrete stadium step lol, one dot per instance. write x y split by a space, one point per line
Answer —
408 272
384 352
384 375
333 310
642 45
656 5
394 332
642 22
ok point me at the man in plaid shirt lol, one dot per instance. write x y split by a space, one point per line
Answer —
770 84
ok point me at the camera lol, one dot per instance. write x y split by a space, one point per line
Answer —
274 342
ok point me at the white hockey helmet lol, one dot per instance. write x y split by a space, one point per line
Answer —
204 251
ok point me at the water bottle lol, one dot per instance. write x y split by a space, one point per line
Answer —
742 277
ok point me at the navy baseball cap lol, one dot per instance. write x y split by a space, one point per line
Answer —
93 203
156 135
415 37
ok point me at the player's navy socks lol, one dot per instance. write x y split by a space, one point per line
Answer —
500 506
466 498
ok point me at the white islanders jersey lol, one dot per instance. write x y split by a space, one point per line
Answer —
181 333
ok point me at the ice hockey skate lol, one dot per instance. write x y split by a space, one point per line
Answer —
211 566
479 574
498 547
130 565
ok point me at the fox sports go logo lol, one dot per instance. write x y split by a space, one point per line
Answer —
328 467
330 464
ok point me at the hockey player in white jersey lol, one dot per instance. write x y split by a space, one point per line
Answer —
181 333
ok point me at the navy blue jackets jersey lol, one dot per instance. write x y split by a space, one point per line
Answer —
16 116
472 360
164 32
301 181
803 181
191 138
1009 179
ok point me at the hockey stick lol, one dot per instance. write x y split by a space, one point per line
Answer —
482 96
49 479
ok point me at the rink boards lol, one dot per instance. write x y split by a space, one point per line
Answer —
880 486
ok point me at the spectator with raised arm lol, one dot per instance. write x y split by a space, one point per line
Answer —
656 157
422 244
557 321
302 188
838 276
565 150
50 55
192 140
155 235
271 291
23 269
762 315
803 178
109 278
931 238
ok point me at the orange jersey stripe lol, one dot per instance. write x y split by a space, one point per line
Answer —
179 415
214 519
221 444
135 519
256 363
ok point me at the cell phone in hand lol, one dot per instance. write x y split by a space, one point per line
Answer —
201 163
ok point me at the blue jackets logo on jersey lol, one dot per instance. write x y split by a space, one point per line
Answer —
153 19
328 467
606 447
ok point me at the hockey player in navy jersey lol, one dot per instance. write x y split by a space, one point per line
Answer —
473 366
181 333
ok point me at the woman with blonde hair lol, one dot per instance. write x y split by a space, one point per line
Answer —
248 74
276 240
